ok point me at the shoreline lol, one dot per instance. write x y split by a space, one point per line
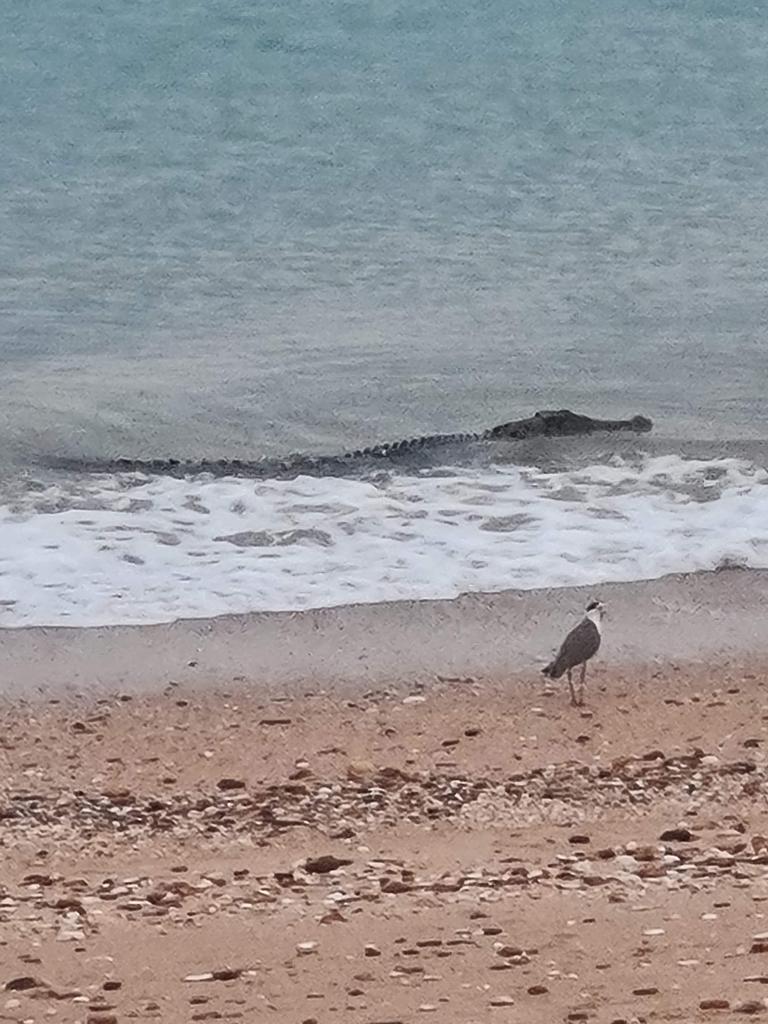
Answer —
149 550
696 617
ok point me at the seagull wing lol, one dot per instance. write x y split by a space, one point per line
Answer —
580 645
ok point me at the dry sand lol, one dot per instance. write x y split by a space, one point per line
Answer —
461 851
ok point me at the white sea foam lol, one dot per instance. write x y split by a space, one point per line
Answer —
133 550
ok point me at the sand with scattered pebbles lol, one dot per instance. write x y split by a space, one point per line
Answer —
460 852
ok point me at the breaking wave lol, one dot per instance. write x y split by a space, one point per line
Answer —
131 549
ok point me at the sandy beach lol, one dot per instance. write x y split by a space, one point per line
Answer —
346 348
460 847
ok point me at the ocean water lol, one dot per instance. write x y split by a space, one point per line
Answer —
231 228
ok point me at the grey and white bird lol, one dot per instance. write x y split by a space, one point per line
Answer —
581 644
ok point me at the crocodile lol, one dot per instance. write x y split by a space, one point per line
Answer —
546 423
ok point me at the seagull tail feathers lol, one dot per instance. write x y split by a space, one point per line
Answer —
552 670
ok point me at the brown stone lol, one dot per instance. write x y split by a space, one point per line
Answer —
677 835
750 1006
24 983
333 916
227 974
229 784
645 853
38 880
651 871
507 951
394 885
361 771
323 864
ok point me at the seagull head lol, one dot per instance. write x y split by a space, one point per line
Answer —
596 611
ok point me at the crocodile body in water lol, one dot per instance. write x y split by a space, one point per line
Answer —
418 450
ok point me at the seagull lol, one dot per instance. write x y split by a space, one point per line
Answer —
578 647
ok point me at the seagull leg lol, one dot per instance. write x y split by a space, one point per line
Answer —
570 687
582 681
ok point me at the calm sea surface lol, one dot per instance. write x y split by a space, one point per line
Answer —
233 227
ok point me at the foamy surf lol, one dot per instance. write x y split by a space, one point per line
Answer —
112 550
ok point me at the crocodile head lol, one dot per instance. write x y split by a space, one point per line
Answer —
641 424
563 422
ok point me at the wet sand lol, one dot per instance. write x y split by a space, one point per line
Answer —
694 617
